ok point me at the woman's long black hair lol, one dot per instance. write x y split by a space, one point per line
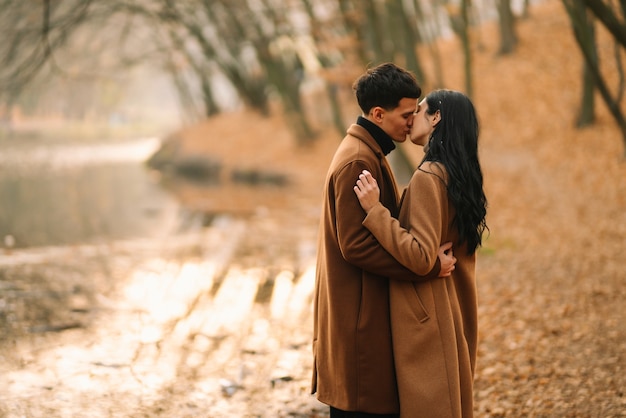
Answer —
454 143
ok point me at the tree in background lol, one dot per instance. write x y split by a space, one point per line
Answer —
586 37
608 14
30 36
459 20
508 36
269 51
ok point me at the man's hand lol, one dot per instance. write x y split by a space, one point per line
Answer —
447 260
367 191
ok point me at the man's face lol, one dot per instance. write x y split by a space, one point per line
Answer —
397 122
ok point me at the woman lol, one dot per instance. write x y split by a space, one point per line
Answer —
434 323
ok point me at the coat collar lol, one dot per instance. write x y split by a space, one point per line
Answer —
383 140
362 134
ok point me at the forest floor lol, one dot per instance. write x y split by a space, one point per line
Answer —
217 322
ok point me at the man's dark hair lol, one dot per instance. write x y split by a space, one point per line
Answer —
385 85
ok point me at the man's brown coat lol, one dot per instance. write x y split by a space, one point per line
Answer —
353 366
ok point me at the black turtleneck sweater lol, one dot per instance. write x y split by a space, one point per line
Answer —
381 137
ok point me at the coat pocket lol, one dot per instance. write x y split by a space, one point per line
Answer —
418 307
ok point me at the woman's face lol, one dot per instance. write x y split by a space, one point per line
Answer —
423 124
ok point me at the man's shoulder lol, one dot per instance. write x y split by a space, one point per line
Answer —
353 148
359 132
359 140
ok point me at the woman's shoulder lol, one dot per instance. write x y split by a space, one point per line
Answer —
430 178
430 175
434 168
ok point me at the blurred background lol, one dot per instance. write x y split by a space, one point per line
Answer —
81 74
161 165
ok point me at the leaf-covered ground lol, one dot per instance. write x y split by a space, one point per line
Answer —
550 276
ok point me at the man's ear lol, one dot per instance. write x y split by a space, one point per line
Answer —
377 114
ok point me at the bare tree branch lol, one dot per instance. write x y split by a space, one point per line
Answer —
608 18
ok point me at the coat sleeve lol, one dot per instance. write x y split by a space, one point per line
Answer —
416 244
357 244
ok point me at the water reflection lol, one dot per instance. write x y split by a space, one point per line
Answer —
127 322
81 194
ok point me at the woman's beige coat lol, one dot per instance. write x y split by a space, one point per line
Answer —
353 365
434 323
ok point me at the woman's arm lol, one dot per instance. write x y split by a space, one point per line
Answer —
357 245
417 246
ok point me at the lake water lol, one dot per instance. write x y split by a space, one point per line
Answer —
81 194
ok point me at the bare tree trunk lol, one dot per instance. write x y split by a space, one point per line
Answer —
331 86
337 115
399 41
185 96
285 73
460 24
351 15
430 33
587 37
586 114
250 85
408 36
609 19
375 32
467 50
210 107
592 64
508 36
620 72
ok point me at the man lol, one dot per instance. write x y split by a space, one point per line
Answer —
353 370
